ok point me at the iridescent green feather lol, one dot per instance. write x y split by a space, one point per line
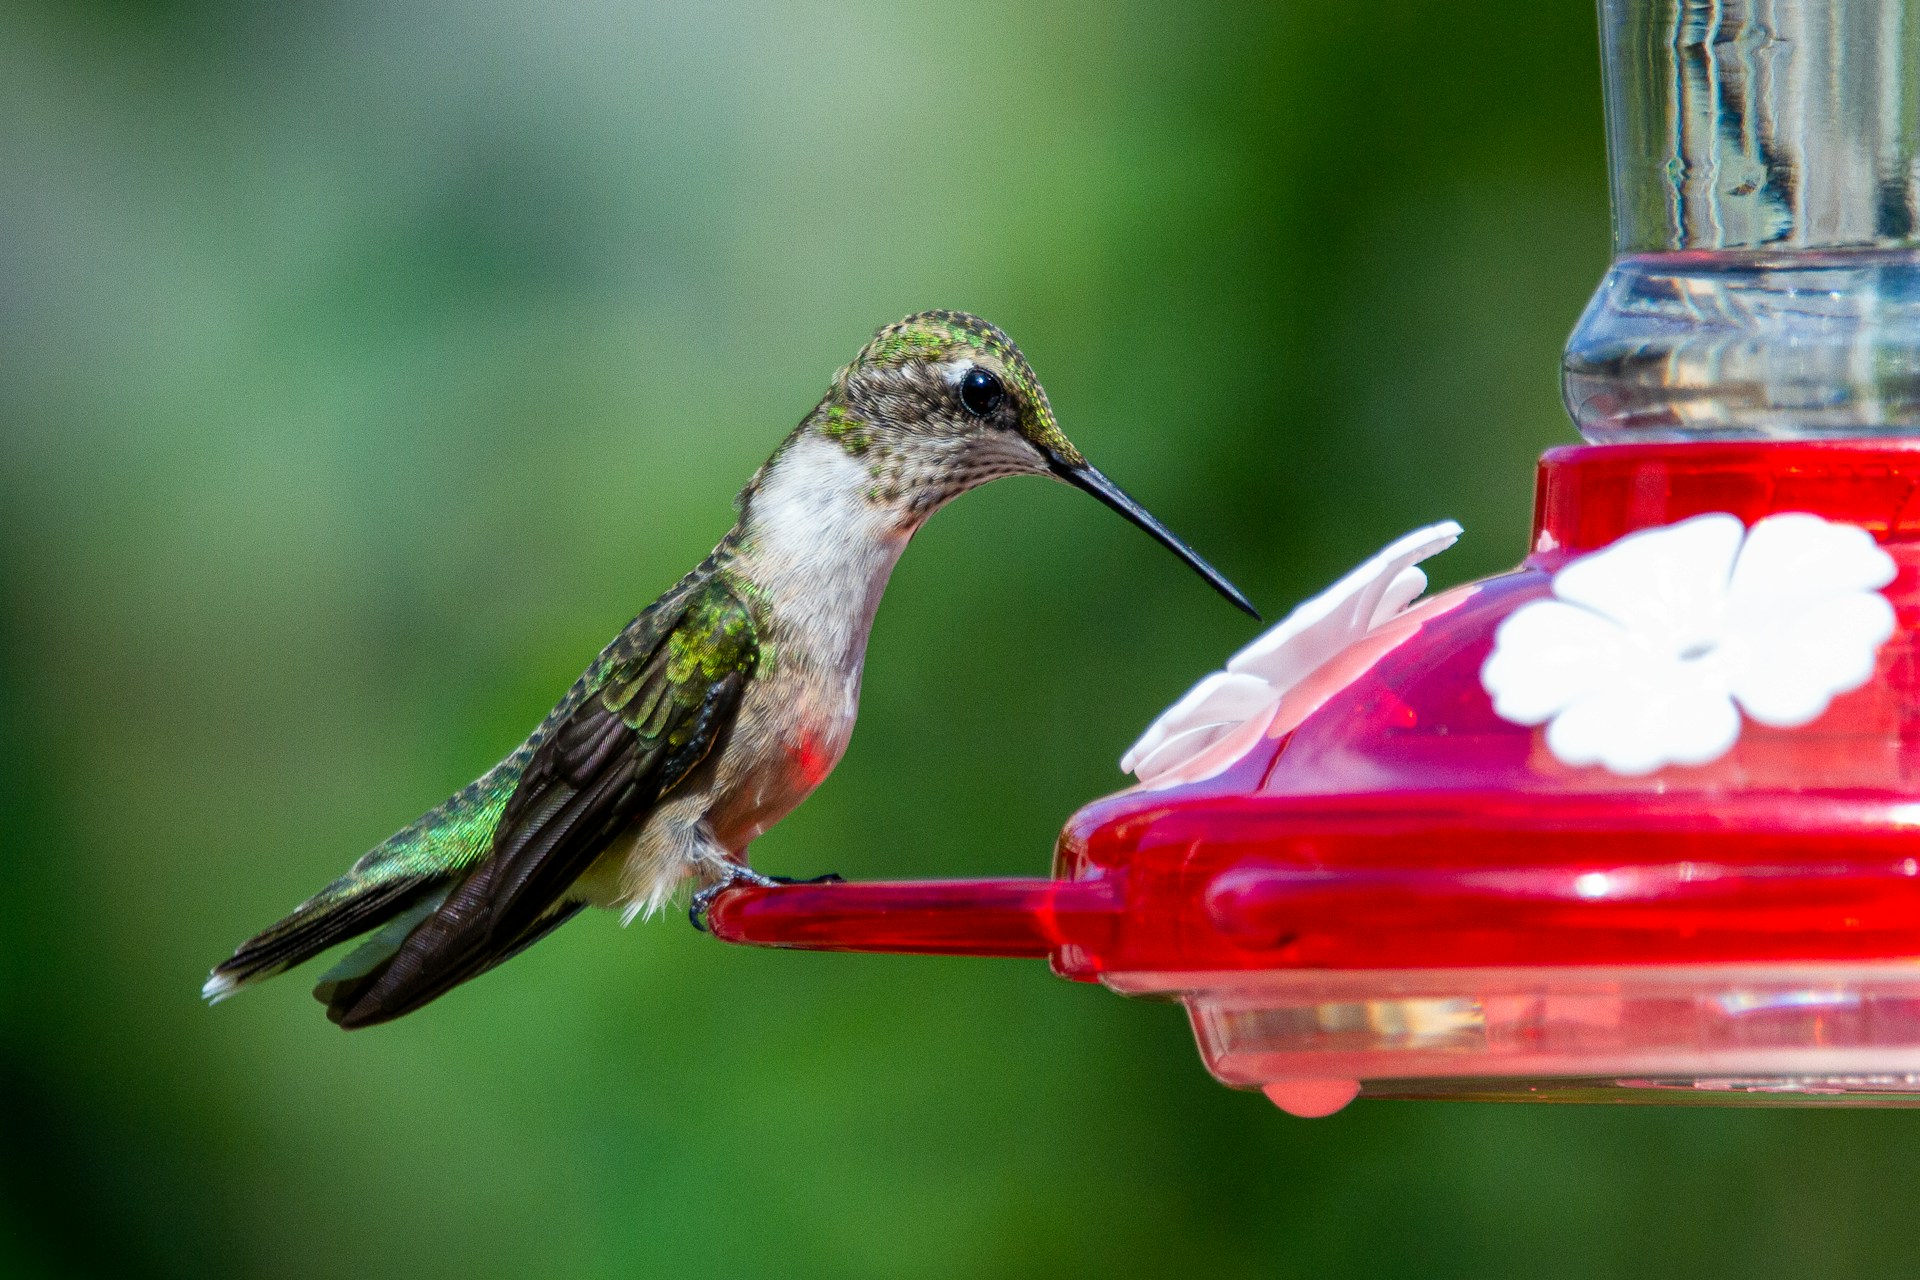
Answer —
413 867
639 722
945 335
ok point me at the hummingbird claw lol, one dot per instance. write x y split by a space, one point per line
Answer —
737 875
733 875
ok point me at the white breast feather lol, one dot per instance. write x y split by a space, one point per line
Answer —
822 549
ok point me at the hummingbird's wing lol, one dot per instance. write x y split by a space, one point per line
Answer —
643 717
407 876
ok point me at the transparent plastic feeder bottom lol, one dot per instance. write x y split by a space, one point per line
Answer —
1807 1034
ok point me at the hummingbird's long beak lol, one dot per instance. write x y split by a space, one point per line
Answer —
1083 475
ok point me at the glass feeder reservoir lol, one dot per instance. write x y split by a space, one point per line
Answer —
1639 820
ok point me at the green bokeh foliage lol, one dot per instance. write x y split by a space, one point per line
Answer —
364 365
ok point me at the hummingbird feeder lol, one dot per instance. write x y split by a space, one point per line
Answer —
1640 819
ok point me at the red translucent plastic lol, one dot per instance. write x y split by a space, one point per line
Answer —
1023 918
1407 863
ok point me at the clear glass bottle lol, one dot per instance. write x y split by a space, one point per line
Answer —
1765 164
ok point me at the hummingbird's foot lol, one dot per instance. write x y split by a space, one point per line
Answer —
731 876
737 875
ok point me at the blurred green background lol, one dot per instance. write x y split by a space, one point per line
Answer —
364 365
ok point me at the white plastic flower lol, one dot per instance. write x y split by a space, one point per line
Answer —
1654 645
1259 676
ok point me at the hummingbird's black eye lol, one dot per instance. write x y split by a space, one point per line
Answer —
981 392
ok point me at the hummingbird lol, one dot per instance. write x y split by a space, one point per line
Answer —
714 712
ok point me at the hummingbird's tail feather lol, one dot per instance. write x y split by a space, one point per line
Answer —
344 909
414 866
593 773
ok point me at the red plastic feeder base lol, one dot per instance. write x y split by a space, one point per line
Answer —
1408 895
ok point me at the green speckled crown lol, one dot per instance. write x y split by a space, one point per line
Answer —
935 336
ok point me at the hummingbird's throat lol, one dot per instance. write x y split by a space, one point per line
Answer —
817 541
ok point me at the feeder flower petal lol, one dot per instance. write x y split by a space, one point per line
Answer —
1258 676
1654 646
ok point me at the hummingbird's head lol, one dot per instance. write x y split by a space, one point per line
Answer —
941 402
